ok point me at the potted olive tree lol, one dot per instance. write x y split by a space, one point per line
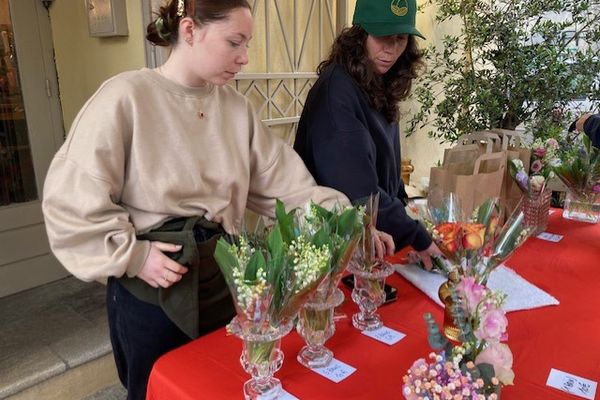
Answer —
514 62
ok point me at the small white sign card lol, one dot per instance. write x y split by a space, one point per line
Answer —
385 335
551 237
337 371
282 396
572 384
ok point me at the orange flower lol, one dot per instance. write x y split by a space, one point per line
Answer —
473 236
449 232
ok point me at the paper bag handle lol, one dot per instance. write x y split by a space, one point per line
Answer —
507 135
489 137
486 157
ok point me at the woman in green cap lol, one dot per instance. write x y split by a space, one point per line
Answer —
348 134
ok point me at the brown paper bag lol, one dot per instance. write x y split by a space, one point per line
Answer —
512 143
472 176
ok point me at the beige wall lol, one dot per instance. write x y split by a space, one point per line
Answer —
84 62
422 150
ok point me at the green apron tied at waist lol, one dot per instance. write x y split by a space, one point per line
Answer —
200 301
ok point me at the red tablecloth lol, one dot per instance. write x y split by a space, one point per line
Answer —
565 337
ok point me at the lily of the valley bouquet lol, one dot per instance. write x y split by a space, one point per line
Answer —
479 364
273 271
544 157
475 245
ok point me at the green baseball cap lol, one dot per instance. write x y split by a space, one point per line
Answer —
387 17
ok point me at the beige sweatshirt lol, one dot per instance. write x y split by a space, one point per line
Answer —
143 150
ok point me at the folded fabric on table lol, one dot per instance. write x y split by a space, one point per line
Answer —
521 295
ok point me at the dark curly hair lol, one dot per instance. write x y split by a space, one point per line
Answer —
383 91
164 30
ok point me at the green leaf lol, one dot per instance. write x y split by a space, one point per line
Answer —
321 238
257 261
487 372
348 223
276 248
227 262
286 222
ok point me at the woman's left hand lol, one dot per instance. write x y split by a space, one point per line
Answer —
384 243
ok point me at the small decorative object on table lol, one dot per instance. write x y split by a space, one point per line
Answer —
479 364
536 201
271 273
369 272
580 172
340 234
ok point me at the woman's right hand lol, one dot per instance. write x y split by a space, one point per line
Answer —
426 254
160 270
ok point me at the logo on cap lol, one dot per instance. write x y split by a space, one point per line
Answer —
399 7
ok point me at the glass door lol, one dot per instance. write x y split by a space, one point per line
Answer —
30 133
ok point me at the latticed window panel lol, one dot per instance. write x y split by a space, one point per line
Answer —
291 37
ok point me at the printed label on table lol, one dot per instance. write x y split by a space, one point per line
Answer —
551 237
282 396
550 212
385 335
337 371
572 384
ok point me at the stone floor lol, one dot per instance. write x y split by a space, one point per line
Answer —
50 329
116 392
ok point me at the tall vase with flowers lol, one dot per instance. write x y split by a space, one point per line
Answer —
340 232
472 247
369 271
579 170
533 184
271 273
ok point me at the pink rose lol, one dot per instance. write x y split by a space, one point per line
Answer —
501 358
471 293
536 166
539 152
492 324
552 144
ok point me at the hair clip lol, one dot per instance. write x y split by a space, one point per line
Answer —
180 8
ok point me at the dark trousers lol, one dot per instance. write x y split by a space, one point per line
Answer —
140 333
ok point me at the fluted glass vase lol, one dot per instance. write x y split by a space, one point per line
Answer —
316 326
369 294
261 358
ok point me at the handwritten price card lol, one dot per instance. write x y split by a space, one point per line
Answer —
572 384
385 335
551 237
337 371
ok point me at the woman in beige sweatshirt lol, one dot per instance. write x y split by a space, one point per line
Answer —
151 146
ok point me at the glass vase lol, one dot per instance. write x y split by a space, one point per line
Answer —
369 293
261 358
316 326
582 206
535 209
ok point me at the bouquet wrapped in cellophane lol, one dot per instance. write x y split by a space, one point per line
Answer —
473 245
273 271
579 166
340 232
